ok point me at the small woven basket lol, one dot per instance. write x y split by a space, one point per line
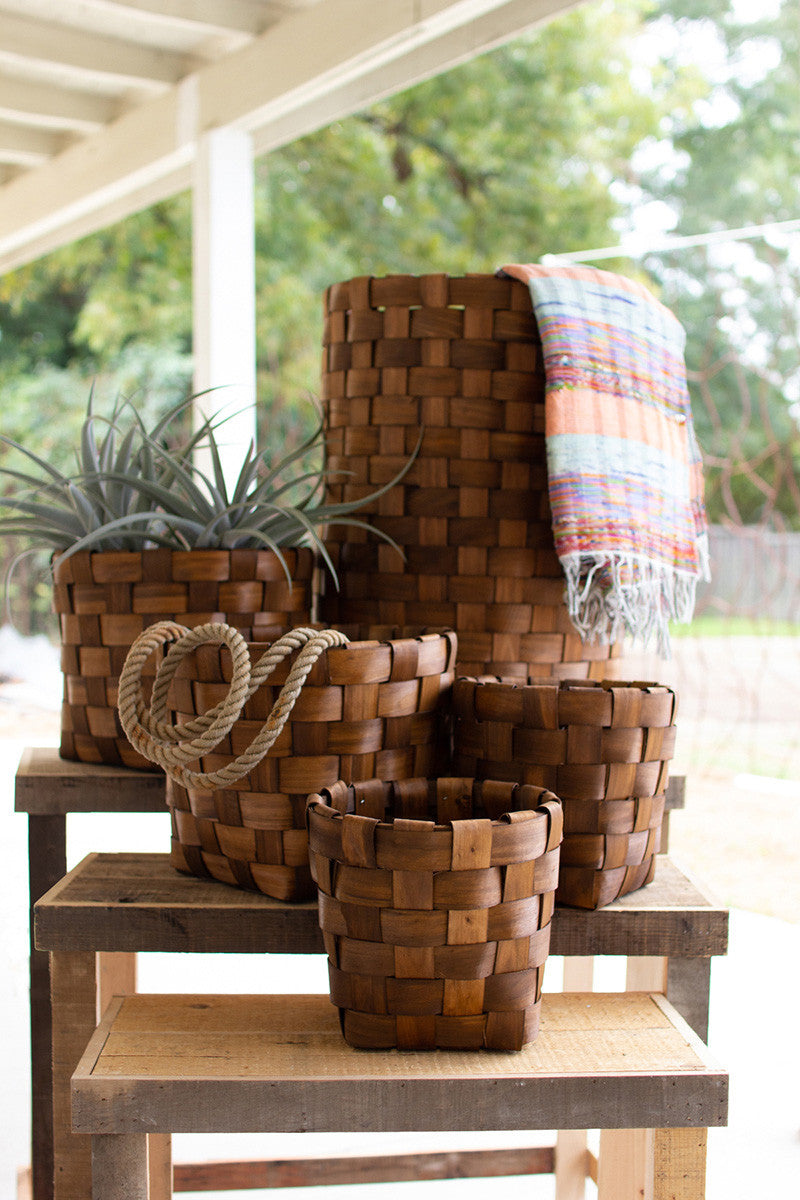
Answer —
106 599
372 707
435 899
604 748
460 361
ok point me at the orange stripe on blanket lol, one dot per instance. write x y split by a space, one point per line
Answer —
582 410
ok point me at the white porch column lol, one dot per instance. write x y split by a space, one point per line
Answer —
224 302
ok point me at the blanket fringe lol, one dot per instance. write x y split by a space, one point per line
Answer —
610 597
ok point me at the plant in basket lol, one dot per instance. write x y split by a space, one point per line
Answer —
139 533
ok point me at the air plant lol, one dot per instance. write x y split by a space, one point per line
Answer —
132 490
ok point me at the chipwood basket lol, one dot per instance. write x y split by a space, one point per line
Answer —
459 362
604 748
435 899
370 708
106 599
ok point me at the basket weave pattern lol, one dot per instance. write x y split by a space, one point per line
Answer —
459 358
105 599
371 708
604 748
437 930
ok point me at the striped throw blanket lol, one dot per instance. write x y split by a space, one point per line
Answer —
624 470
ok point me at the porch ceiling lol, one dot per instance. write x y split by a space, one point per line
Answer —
102 101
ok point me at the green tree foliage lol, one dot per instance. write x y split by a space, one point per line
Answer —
736 162
550 144
504 158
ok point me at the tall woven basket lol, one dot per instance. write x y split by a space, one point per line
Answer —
435 899
104 600
459 359
370 708
604 748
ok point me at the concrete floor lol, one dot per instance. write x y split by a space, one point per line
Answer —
740 831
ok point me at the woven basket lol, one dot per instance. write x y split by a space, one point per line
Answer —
604 748
104 600
461 360
369 708
435 899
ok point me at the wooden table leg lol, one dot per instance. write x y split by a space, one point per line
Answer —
571 1144
689 989
679 1164
652 1164
116 976
579 973
159 1165
119 1166
47 863
686 982
625 1165
645 974
571 1165
73 980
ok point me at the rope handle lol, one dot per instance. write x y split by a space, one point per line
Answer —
171 746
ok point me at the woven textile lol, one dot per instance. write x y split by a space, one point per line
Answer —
624 470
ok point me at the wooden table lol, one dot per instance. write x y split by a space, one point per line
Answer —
48 788
112 907
254 1063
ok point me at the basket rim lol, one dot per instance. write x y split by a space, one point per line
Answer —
547 801
428 635
518 683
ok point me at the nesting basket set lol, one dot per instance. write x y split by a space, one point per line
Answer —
459 764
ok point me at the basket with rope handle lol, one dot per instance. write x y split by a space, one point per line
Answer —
256 728
105 599
435 900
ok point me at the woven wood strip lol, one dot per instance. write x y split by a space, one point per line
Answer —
603 747
435 901
253 834
459 359
105 600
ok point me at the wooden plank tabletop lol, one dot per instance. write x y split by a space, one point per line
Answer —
138 902
47 785
249 1063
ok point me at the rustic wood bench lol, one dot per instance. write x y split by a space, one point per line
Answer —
200 1064
112 906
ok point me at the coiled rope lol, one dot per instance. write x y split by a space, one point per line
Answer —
173 745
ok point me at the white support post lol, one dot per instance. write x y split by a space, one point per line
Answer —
224 302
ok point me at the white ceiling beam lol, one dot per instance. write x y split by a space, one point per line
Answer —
215 16
457 46
346 61
47 44
319 50
54 107
26 147
115 208
96 172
